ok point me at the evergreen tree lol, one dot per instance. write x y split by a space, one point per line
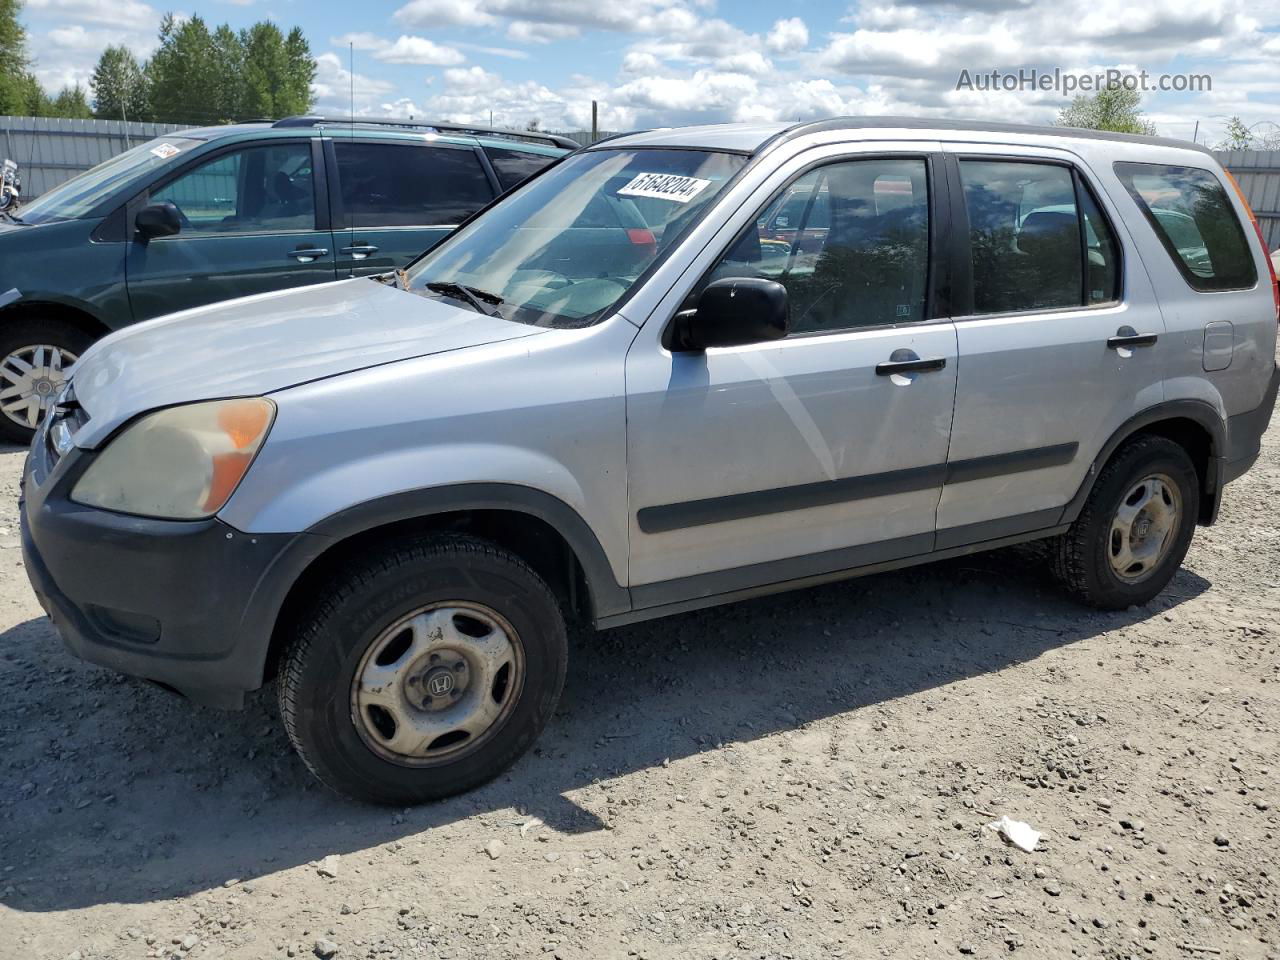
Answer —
14 78
264 68
120 87
227 96
71 102
300 72
184 73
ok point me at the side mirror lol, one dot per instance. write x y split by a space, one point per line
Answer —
732 312
158 220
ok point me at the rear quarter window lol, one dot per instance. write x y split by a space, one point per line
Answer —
513 167
1193 217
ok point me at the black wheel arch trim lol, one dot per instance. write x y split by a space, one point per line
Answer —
1199 412
606 595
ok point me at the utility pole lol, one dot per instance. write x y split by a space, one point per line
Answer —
595 121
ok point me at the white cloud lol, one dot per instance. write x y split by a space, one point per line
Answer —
444 13
419 50
131 12
528 32
788 36
335 88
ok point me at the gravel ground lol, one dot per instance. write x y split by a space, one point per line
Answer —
798 776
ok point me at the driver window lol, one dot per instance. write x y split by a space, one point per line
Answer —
256 190
849 241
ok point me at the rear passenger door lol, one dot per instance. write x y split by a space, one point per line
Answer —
393 200
1058 335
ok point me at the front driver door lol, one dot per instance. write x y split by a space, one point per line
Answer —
775 461
249 225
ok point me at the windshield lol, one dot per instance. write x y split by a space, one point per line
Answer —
80 194
567 247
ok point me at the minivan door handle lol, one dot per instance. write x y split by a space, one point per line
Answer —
1128 337
917 365
308 254
360 251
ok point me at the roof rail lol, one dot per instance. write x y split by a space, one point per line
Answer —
527 136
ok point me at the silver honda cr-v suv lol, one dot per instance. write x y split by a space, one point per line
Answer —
675 369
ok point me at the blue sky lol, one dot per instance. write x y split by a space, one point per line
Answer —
659 62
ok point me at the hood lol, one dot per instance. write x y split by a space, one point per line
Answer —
268 342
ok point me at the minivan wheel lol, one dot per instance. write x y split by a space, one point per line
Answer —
1135 528
35 356
425 669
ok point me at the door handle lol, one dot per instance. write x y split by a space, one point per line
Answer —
360 250
889 367
308 254
1130 340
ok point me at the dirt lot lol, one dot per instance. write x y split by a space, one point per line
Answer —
804 776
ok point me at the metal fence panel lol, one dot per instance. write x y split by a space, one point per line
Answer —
1258 173
49 150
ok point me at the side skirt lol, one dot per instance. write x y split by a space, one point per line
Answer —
656 600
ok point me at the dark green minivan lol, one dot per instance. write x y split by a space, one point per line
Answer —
222 212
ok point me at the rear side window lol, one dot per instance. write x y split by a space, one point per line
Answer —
404 185
513 167
1193 218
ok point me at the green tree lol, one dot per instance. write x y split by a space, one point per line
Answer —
264 68
183 73
71 102
226 98
14 62
300 72
120 87
278 71
1115 108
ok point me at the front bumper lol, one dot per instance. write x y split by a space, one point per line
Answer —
188 604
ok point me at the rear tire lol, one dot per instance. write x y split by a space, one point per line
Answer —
1135 528
33 361
393 689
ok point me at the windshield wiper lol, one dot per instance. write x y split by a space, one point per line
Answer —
472 295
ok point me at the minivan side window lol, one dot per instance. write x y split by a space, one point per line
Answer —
408 185
1026 241
1193 218
513 167
255 190
849 241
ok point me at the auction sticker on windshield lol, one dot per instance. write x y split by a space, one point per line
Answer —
664 186
165 150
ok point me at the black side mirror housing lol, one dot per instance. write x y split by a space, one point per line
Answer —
158 220
733 312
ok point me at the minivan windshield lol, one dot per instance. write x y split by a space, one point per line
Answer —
561 251
79 195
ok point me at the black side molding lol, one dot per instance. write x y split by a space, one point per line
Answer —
758 503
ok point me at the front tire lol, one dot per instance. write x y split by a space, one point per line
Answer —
426 670
34 357
1135 528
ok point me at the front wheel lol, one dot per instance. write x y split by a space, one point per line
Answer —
35 358
1135 528
427 669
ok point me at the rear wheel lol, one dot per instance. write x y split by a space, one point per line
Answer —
1135 528
427 669
35 358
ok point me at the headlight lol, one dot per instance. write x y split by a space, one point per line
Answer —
182 463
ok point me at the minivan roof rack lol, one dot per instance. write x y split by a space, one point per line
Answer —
528 136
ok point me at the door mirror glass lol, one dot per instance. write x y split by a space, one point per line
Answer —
732 312
158 220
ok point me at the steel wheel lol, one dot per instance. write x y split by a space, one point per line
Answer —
1143 527
434 685
30 378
